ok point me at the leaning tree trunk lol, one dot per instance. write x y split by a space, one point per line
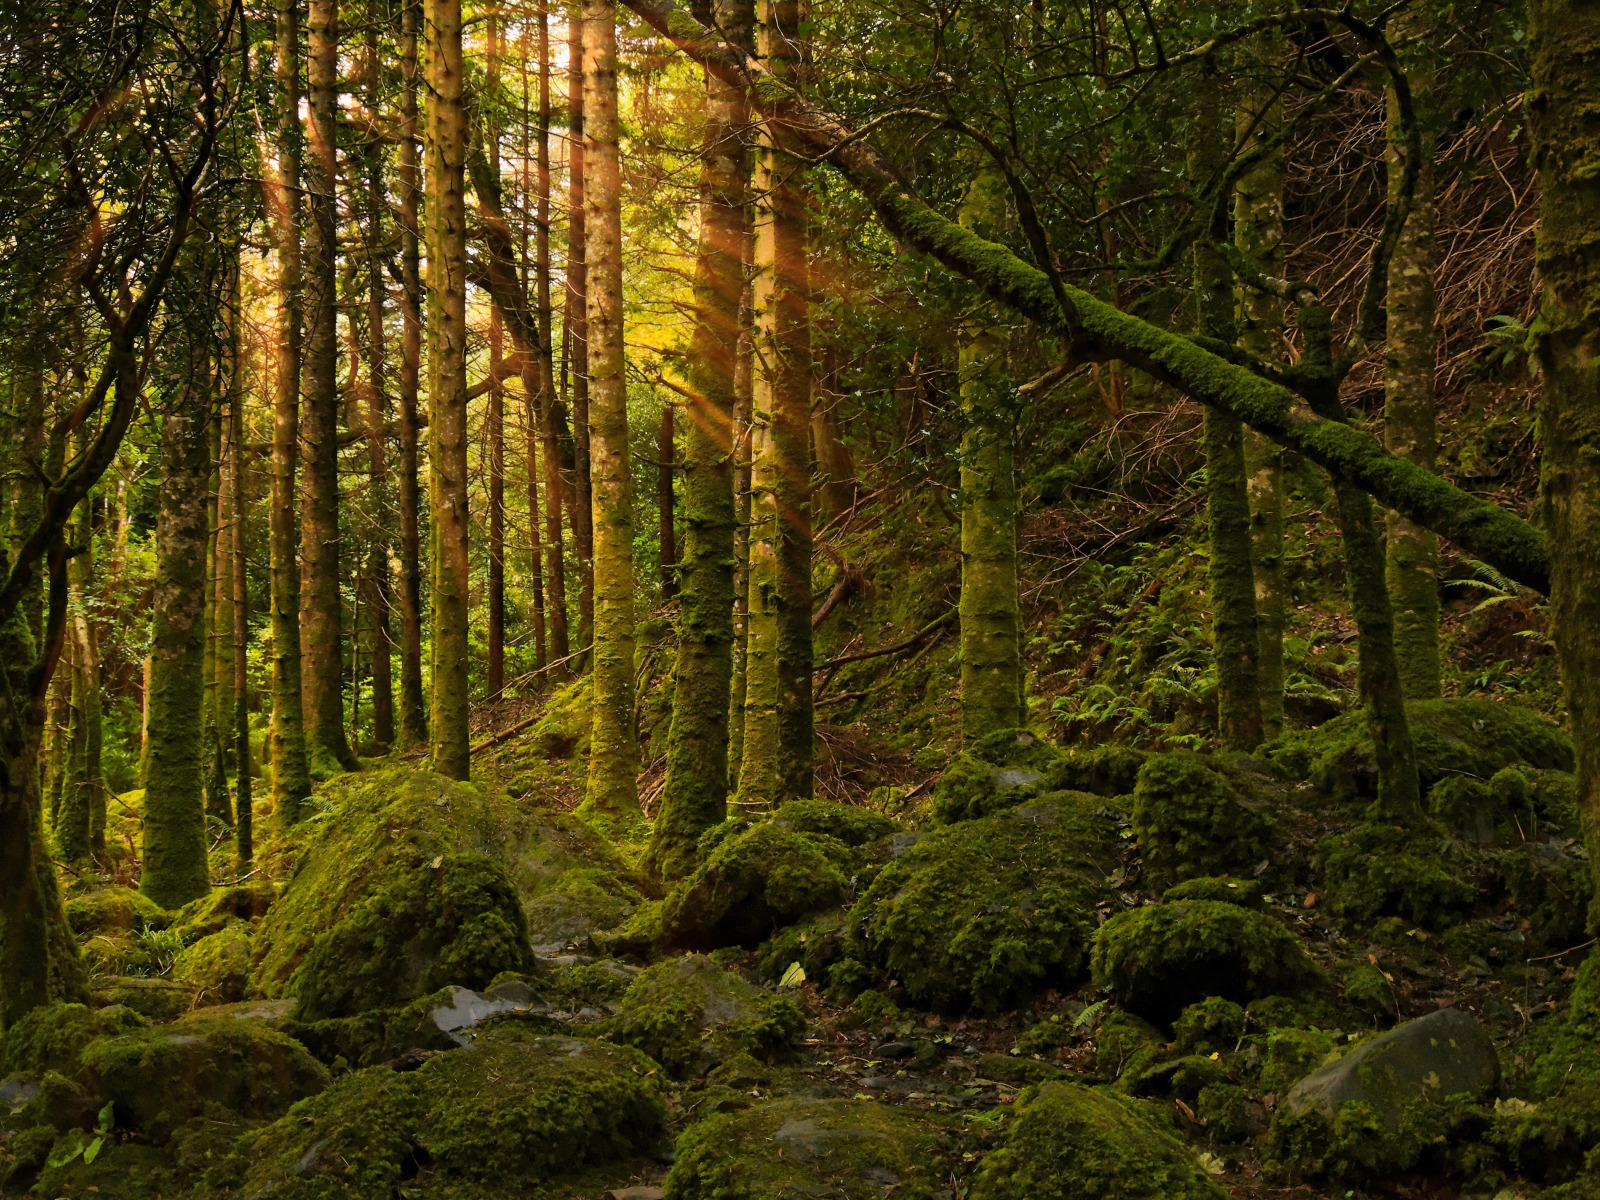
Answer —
174 826
1233 588
447 386
991 614
1565 40
321 610
613 795
778 735
291 775
696 790
1408 412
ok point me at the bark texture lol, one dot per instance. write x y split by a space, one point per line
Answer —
577 324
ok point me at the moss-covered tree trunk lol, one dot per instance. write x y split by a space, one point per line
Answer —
1232 575
173 845
1408 409
991 614
666 532
239 490
555 570
219 801
613 794
495 414
413 705
695 795
291 775
1565 101
447 386
321 609
1258 232
577 327
777 758
743 396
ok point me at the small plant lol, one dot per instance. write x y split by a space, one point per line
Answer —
80 1144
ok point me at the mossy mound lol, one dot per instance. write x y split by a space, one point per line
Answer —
563 731
157 999
753 881
689 1014
1376 871
113 910
217 966
1472 737
1001 771
848 823
500 1118
1160 959
1192 819
400 890
221 906
982 913
579 903
1103 771
848 1149
161 1076
53 1036
1070 1142
1244 892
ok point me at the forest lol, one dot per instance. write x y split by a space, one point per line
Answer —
778 599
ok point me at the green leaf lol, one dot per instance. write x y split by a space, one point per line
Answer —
107 1116
63 1156
793 977
93 1151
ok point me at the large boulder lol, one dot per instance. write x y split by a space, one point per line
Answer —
502 1117
1160 959
1375 871
987 911
846 1149
1193 819
1070 1142
217 966
690 1014
114 910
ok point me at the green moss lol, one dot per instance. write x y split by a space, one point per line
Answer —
1125 1047
1103 771
24 1152
1190 820
1292 1054
999 771
1368 990
688 1013
851 1149
1550 884
222 906
456 920
1159 959
1226 1112
848 823
1209 1025
217 966
52 1037
1068 1141
1361 1146
160 1077
816 943
113 910
579 903
1565 1079
1244 892
1378 871
753 881
1465 805
987 911
588 984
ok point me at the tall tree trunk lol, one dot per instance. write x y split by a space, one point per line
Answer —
239 490
1565 101
1233 589
413 706
291 775
321 609
743 394
219 802
577 327
1408 410
666 538
613 795
496 667
777 762
174 830
1258 232
74 820
447 386
991 615
695 794
555 572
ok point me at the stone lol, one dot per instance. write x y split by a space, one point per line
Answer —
1445 1053
467 1009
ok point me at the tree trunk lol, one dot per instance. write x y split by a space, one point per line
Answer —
1258 232
695 794
219 802
1408 412
1232 577
613 794
291 775
1565 103
666 539
174 825
495 680
577 328
447 386
238 486
544 397
777 757
743 395
991 618
413 706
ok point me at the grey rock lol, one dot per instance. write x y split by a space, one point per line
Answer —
467 1009
896 1050
1445 1053
1009 778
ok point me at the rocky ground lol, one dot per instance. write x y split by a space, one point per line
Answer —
1104 974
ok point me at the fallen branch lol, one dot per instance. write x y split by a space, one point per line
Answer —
497 738
909 642
1100 651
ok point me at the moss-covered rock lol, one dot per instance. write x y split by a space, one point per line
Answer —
1103 771
222 906
753 881
1462 737
1376 871
1549 885
848 823
1193 820
689 1014
1069 1142
1292 1054
1001 771
987 911
217 966
158 999
1208 1026
849 1149
52 1036
1125 1047
161 1076
500 1118
1243 892
114 909
579 903
1160 959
